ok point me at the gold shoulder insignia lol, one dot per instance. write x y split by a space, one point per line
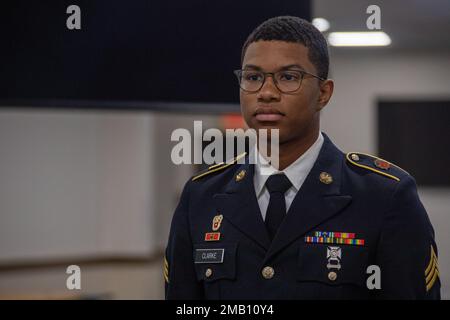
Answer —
166 270
373 163
219 166
432 270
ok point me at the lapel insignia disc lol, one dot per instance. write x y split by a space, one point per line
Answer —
240 175
326 178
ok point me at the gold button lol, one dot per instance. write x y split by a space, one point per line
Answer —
208 272
268 272
326 178
355 157
332 275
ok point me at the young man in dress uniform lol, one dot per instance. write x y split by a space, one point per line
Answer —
324 225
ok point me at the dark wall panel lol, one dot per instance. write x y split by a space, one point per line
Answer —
415 135
139 50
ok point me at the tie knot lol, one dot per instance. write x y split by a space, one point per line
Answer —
278 183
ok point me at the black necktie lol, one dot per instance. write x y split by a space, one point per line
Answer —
277 184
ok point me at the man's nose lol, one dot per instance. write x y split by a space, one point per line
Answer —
269 90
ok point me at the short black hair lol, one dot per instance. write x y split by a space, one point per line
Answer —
294 29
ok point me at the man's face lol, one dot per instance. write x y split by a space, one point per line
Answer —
295 114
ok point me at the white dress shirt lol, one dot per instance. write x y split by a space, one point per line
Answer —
296 173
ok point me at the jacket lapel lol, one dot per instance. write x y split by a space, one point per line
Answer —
316 201
239 206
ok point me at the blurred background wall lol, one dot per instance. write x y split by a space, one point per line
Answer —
97 188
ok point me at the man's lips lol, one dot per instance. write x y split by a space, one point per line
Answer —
268 114
269 117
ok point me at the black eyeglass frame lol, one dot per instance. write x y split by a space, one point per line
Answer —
238 74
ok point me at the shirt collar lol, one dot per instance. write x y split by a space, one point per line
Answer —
296 171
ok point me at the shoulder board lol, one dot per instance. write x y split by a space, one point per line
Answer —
375 164
218 167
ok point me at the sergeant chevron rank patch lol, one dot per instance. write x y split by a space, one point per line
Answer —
432 270
166 270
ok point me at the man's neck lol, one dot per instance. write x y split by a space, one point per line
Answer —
290 151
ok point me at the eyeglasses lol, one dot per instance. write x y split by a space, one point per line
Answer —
286 81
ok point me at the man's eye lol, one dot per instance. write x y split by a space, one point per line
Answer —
289 76
253 77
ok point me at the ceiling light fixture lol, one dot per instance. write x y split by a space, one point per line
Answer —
321 24
358 39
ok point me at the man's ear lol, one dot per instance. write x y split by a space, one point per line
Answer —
326 88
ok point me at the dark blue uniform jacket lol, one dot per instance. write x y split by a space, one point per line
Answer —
219 248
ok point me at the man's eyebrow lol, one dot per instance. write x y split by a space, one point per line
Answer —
251 66
290 66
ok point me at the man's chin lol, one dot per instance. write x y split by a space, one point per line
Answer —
268 125
270 133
